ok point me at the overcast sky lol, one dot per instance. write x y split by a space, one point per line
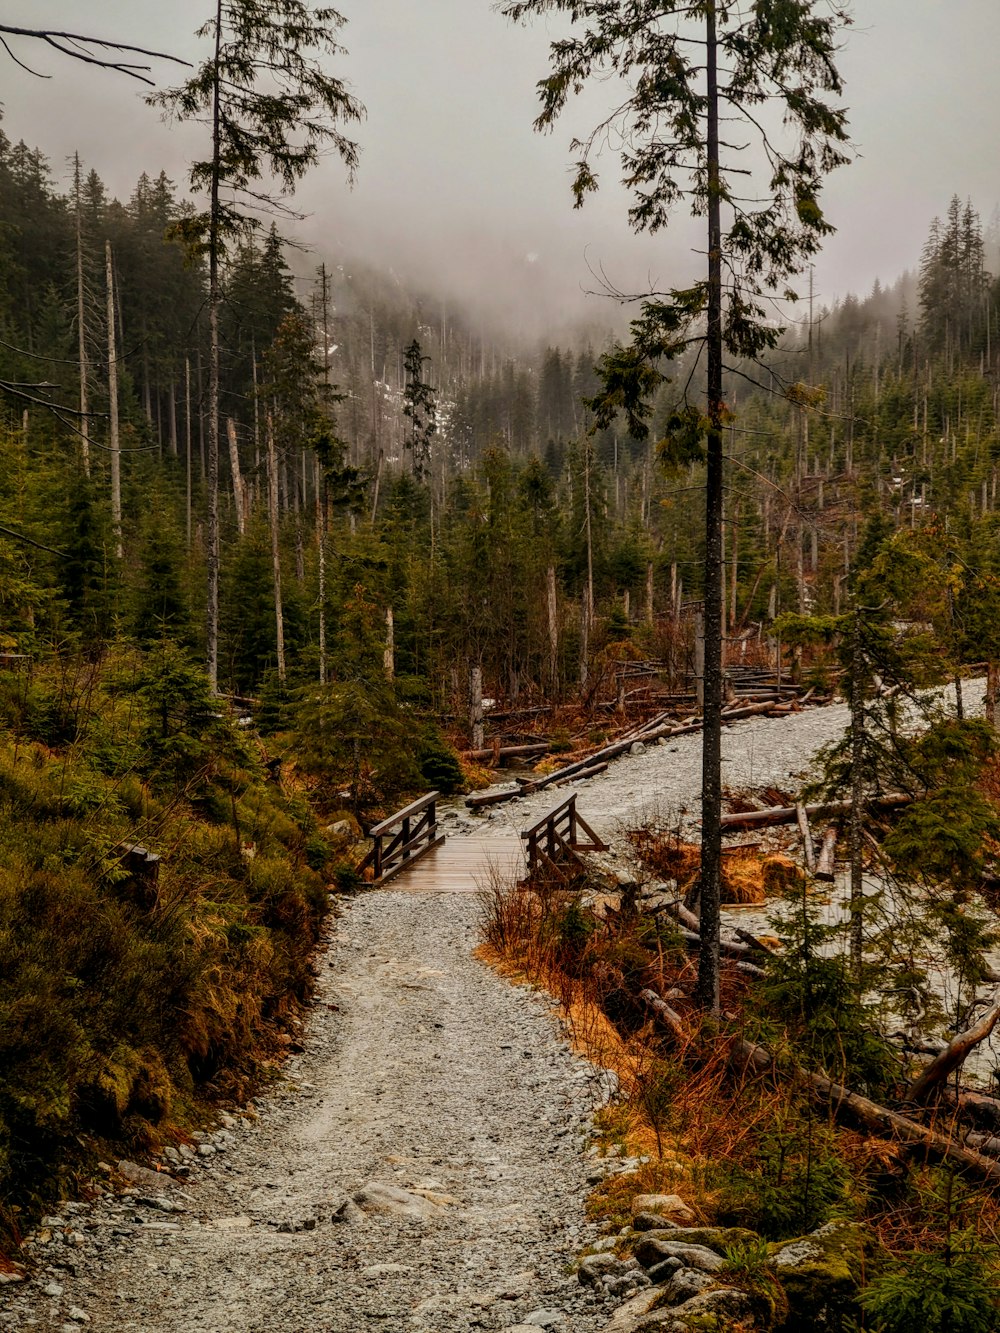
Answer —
457 189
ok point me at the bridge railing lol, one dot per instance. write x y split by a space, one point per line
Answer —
402 838
552 844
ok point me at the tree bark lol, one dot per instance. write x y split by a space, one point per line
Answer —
990 701
389 656
239 495
707 989
476 708
81 325
553 613
116 458
272 499
857 806
212 554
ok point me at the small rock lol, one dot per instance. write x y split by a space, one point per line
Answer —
682 1284
348 1212
637 747
545 1319
628 1316
77 1315
597 1266
664 1272
380 1198
141 1175
666 1205
52 1289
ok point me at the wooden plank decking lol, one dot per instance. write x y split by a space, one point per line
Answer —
460 865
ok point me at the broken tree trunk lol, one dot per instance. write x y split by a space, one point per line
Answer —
954 1054
808 851
827 854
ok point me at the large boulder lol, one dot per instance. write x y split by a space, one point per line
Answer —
821 1275
721 1310
653 1246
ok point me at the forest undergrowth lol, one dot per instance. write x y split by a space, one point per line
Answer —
161 895
745 1147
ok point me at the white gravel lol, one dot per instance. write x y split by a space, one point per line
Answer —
422 1070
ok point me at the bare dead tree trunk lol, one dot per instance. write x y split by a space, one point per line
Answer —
990 701
272 505
553 613
116 458
476 707
857 804
239 495
707 988
81 324
389 656
320 486
187 450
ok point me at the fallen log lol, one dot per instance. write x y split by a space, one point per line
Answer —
508 752
786 814
875 1118
955 1054
747 710
591 772
670 1018
482 798
976 1106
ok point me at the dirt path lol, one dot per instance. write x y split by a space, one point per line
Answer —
423 1072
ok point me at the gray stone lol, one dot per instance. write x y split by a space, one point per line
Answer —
637 747
666 1205
723 1305
664 1271
375 1197
626 1317
652 1222
682 1284
545 1319
598 1266
653 1249
349 1213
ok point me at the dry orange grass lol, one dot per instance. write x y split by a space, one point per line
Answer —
743 869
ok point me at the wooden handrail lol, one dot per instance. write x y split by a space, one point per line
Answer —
416 832
557 838
407 812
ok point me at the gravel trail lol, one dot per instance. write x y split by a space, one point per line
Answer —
422 1071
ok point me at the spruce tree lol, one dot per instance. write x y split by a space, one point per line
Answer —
271 108
686 69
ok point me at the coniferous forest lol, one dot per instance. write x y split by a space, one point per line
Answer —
287 541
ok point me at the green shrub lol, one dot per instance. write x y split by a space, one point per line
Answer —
950 1290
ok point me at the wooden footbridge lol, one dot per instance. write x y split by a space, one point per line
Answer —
410 849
